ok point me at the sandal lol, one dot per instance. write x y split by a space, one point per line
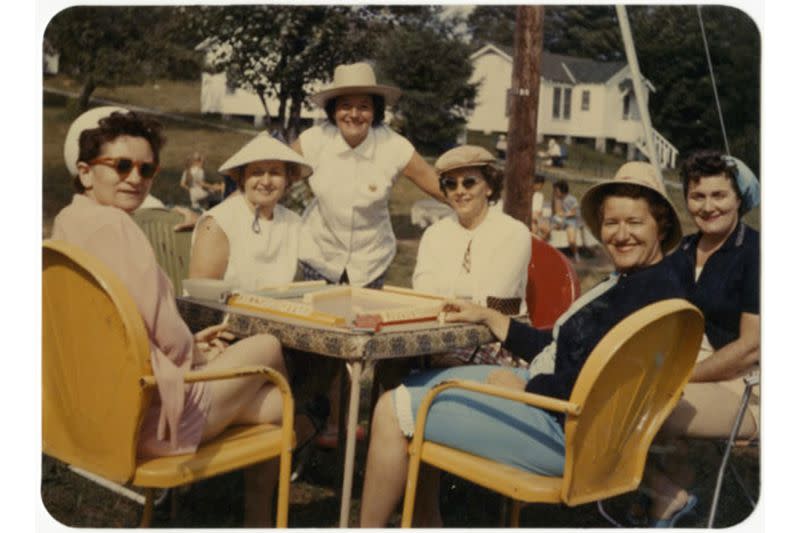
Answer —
680 513
316 410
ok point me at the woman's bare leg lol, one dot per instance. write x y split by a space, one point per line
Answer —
250 399
387 465
259 490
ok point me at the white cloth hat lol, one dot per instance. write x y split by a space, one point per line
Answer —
87 121
264 147
358 78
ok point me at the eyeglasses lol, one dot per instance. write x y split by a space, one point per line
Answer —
451 184
124 166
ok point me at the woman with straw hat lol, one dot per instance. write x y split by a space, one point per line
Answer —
721 263
636 222
347 234
113 157
250 239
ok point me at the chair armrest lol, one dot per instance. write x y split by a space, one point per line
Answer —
529 398
228 373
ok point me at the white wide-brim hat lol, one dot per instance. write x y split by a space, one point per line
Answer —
264 147
635 173
87 121
357 78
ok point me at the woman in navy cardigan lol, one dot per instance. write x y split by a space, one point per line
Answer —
637 224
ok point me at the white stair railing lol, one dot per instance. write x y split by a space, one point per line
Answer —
666 152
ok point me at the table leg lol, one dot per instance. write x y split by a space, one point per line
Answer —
350 447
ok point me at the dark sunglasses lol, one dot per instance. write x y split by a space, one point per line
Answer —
451 184
125 166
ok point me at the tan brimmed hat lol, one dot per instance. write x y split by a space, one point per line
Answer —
358 78
87 121
464 156
264 147
636 173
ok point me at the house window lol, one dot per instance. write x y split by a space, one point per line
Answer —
557 102
626 107
585 100
508 102
567 103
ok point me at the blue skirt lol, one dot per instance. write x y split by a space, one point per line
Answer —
509 432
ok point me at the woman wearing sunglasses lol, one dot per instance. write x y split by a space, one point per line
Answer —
480 254
113 156
249 239
634 219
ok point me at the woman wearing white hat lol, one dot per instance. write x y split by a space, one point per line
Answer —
636 222
250 239
347 232
113 156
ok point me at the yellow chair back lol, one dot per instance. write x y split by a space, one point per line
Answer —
628 386
172 248
95 349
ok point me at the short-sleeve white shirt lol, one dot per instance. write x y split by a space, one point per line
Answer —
255 260
500 251
347 225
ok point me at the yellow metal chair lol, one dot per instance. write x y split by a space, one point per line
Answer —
628 386
172 248
97 383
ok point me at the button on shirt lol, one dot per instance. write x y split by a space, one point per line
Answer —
347 226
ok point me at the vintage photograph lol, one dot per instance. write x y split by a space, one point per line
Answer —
354 265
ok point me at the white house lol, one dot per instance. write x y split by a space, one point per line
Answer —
580 100
217 96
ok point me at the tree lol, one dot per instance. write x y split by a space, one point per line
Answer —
423 56
106 46
279 51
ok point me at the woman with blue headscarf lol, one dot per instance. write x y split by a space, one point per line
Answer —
720 264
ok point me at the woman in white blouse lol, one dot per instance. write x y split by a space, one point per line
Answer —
249 239
478 254
347 233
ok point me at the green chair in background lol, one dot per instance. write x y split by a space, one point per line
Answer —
172 248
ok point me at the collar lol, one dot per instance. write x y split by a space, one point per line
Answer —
365 150
734 240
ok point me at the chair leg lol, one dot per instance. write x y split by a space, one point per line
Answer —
173 505
147 512
734 432
503 512
411 487
516 507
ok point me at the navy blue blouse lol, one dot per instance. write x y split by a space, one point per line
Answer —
728 285
583 330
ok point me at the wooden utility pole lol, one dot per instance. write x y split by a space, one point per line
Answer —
524 97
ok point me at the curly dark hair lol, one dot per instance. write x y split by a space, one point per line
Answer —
704 163
378 107
492 176
659 208
91 141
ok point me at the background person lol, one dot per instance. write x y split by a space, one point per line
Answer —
721 263
540 220
113 156
193 180
347 234
565 215
249 238
637 224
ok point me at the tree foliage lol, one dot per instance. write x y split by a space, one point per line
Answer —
423 56
106 46
281 51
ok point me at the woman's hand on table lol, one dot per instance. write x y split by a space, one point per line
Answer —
464 311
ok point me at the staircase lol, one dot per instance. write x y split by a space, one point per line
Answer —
666 153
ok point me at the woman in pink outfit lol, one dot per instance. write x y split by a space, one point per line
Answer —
113 157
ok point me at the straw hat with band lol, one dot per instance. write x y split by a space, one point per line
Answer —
635 173
264 147
358 78
87 121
